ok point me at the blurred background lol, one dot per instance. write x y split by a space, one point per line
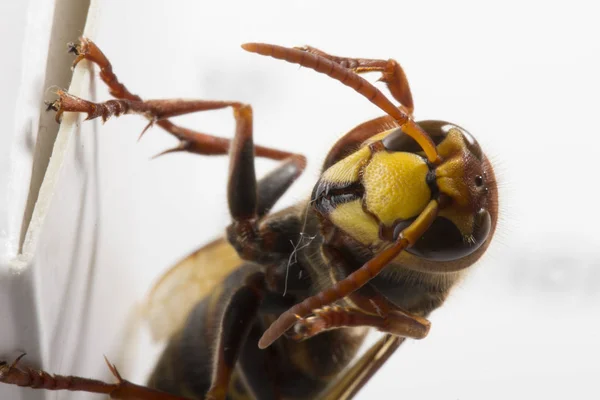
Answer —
522 77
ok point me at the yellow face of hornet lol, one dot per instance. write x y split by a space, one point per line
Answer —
378 190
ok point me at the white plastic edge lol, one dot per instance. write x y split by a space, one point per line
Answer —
79 84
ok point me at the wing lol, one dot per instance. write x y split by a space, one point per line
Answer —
185 284
354 378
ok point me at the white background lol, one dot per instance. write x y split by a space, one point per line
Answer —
522 77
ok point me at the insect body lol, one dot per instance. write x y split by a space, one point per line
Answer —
400 211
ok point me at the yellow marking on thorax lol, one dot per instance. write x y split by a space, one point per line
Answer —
351 218
395 186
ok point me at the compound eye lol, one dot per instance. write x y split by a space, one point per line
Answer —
397 140
443 241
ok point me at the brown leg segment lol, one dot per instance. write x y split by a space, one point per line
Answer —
155 110
395 322
191 141
248 201
235 327
158 111
355 280
355 378
37 379
392 74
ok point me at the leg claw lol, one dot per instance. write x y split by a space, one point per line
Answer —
73 48
52 105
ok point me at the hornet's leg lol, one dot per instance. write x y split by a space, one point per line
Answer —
249 201
37 379
395 322
356 377
237 320
368 308
392 74
158 111
190 140
355 280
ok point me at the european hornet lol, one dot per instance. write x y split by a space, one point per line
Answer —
400 211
